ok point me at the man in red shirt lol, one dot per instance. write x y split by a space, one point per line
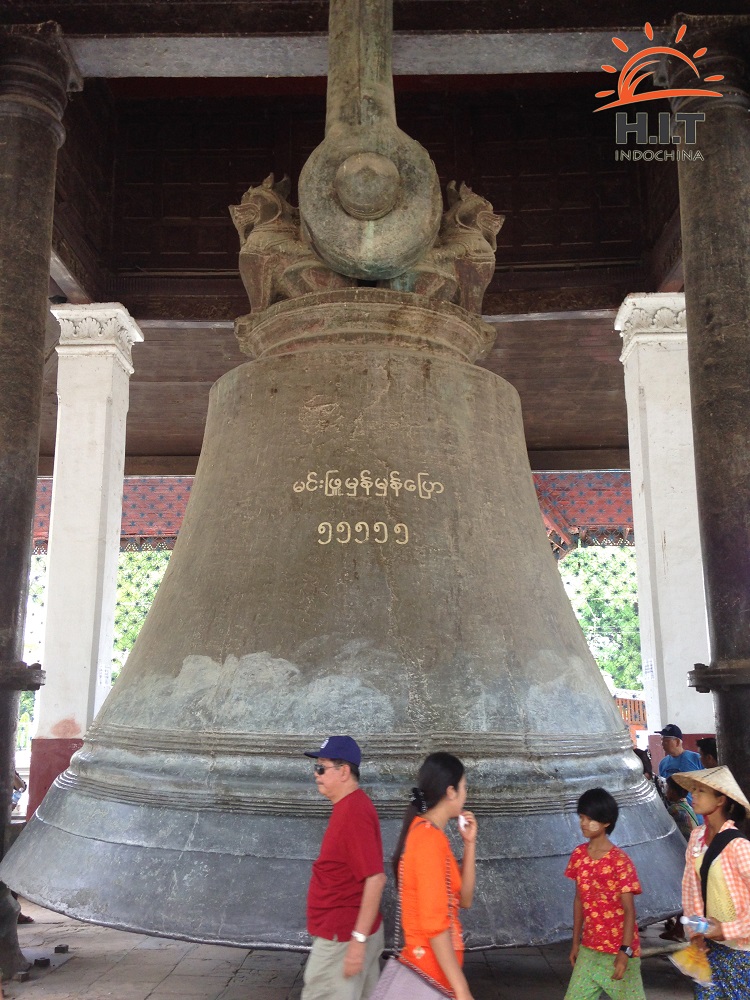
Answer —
343 901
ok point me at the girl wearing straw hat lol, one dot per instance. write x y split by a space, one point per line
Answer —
716 882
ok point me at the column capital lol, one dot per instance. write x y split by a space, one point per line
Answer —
650 317
98 329
726 43
37 71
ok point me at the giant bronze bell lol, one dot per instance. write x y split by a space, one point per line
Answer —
362 553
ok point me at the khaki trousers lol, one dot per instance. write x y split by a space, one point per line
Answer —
324 971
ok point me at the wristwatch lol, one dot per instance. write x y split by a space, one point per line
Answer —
627 949
362 938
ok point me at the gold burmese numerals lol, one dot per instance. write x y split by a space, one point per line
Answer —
362 484
362 532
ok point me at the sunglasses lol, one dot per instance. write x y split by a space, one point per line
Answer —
322 768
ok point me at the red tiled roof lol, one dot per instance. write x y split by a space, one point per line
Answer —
593 507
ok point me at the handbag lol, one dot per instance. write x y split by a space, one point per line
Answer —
401 982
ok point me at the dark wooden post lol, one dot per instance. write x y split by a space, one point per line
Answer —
35 76
715 210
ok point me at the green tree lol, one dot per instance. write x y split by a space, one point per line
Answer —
35 612
138 577
602 587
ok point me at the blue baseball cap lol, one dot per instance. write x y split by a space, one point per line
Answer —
338 748
673 731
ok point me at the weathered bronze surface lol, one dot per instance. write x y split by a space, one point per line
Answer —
460 264
367 169
360 317
362 552
275 262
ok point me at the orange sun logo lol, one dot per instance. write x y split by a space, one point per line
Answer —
634 72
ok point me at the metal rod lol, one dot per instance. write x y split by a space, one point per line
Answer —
360 74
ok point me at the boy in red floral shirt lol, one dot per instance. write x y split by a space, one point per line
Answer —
606 952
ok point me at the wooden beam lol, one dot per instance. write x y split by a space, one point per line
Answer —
425 53
541 461
160 465
665 260
140 465
579 460
66 281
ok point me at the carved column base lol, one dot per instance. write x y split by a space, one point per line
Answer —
12 959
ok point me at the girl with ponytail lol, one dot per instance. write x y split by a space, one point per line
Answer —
431 884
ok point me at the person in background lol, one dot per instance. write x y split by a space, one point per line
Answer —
19 787
343 901
707 750
645 758
682 813
677 758
716 881
605 953
431 883
680 809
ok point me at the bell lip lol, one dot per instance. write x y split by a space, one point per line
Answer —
96 882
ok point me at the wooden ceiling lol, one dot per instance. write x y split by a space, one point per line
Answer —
151 163
565 367
129 17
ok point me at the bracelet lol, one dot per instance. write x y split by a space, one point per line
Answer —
362 938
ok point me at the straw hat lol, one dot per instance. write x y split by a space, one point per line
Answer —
717 779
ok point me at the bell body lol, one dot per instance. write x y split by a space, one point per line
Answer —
362 553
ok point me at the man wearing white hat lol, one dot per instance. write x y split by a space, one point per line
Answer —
677 757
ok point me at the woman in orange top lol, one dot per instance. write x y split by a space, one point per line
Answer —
432 885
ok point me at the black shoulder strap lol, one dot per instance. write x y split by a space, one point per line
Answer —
715 848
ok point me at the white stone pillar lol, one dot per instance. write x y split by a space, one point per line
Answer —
671 602
94 369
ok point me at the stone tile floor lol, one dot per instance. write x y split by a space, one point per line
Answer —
104 964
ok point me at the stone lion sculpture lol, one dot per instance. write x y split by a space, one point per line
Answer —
275 261
461 262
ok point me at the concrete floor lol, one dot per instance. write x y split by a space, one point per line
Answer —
103 964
